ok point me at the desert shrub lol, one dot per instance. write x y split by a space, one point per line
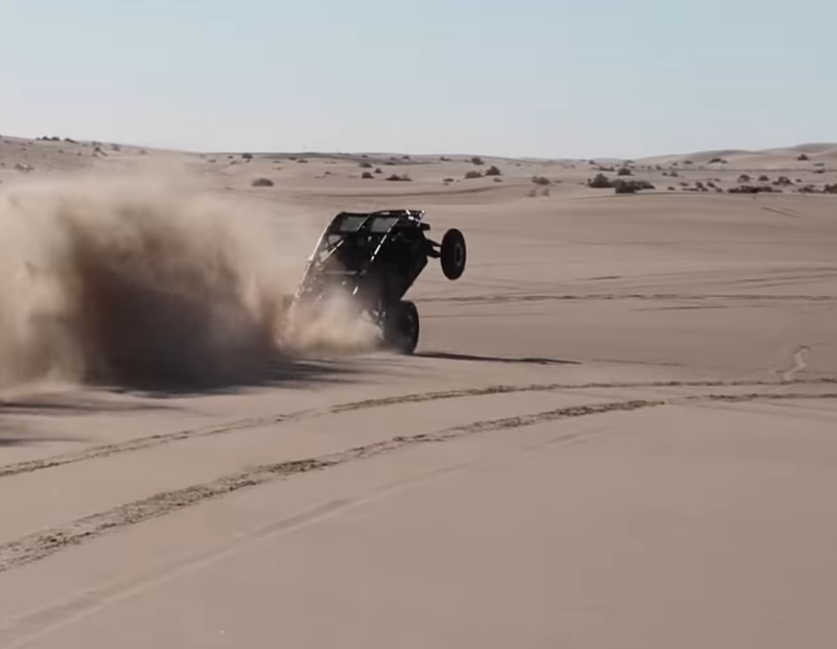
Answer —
498 180
471 175
711 184
750 189
764 179
700 186
630 186
493 171
624 171
744 178
719 161
367 175
600 182
670 188
802 157
262 182
397 178
783 181
541 180
477 160
819 171
247 156
830 189
378 171
447 180
365 165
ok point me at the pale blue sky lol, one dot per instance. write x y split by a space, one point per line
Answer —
547 78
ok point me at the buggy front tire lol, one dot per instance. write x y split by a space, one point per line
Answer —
453 254
401 327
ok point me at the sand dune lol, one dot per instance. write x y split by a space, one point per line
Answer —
617 430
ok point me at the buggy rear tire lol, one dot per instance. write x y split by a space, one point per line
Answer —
454 254
401 327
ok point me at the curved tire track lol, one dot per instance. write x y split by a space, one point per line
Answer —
161 439
40 545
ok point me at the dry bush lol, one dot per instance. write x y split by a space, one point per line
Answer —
365 165
401 178
493 171
631 186
624 171
750 189
600 182
477 160
367 175
471 175
262 182
802 157
541 180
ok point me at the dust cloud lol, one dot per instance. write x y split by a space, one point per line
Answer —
141 281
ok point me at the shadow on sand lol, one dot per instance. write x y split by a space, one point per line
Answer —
271 371
479 358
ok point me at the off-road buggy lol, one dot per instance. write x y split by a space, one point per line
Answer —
374 258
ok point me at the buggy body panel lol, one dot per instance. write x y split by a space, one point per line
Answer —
374 258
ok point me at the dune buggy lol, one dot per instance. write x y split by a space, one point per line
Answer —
374 258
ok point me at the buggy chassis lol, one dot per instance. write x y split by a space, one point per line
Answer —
375 257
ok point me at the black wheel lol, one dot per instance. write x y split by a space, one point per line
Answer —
454 254
401 327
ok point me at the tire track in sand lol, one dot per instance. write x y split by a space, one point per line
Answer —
161 439
40 545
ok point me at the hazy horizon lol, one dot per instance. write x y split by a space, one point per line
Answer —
536 78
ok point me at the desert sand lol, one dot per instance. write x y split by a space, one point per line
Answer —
618 429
